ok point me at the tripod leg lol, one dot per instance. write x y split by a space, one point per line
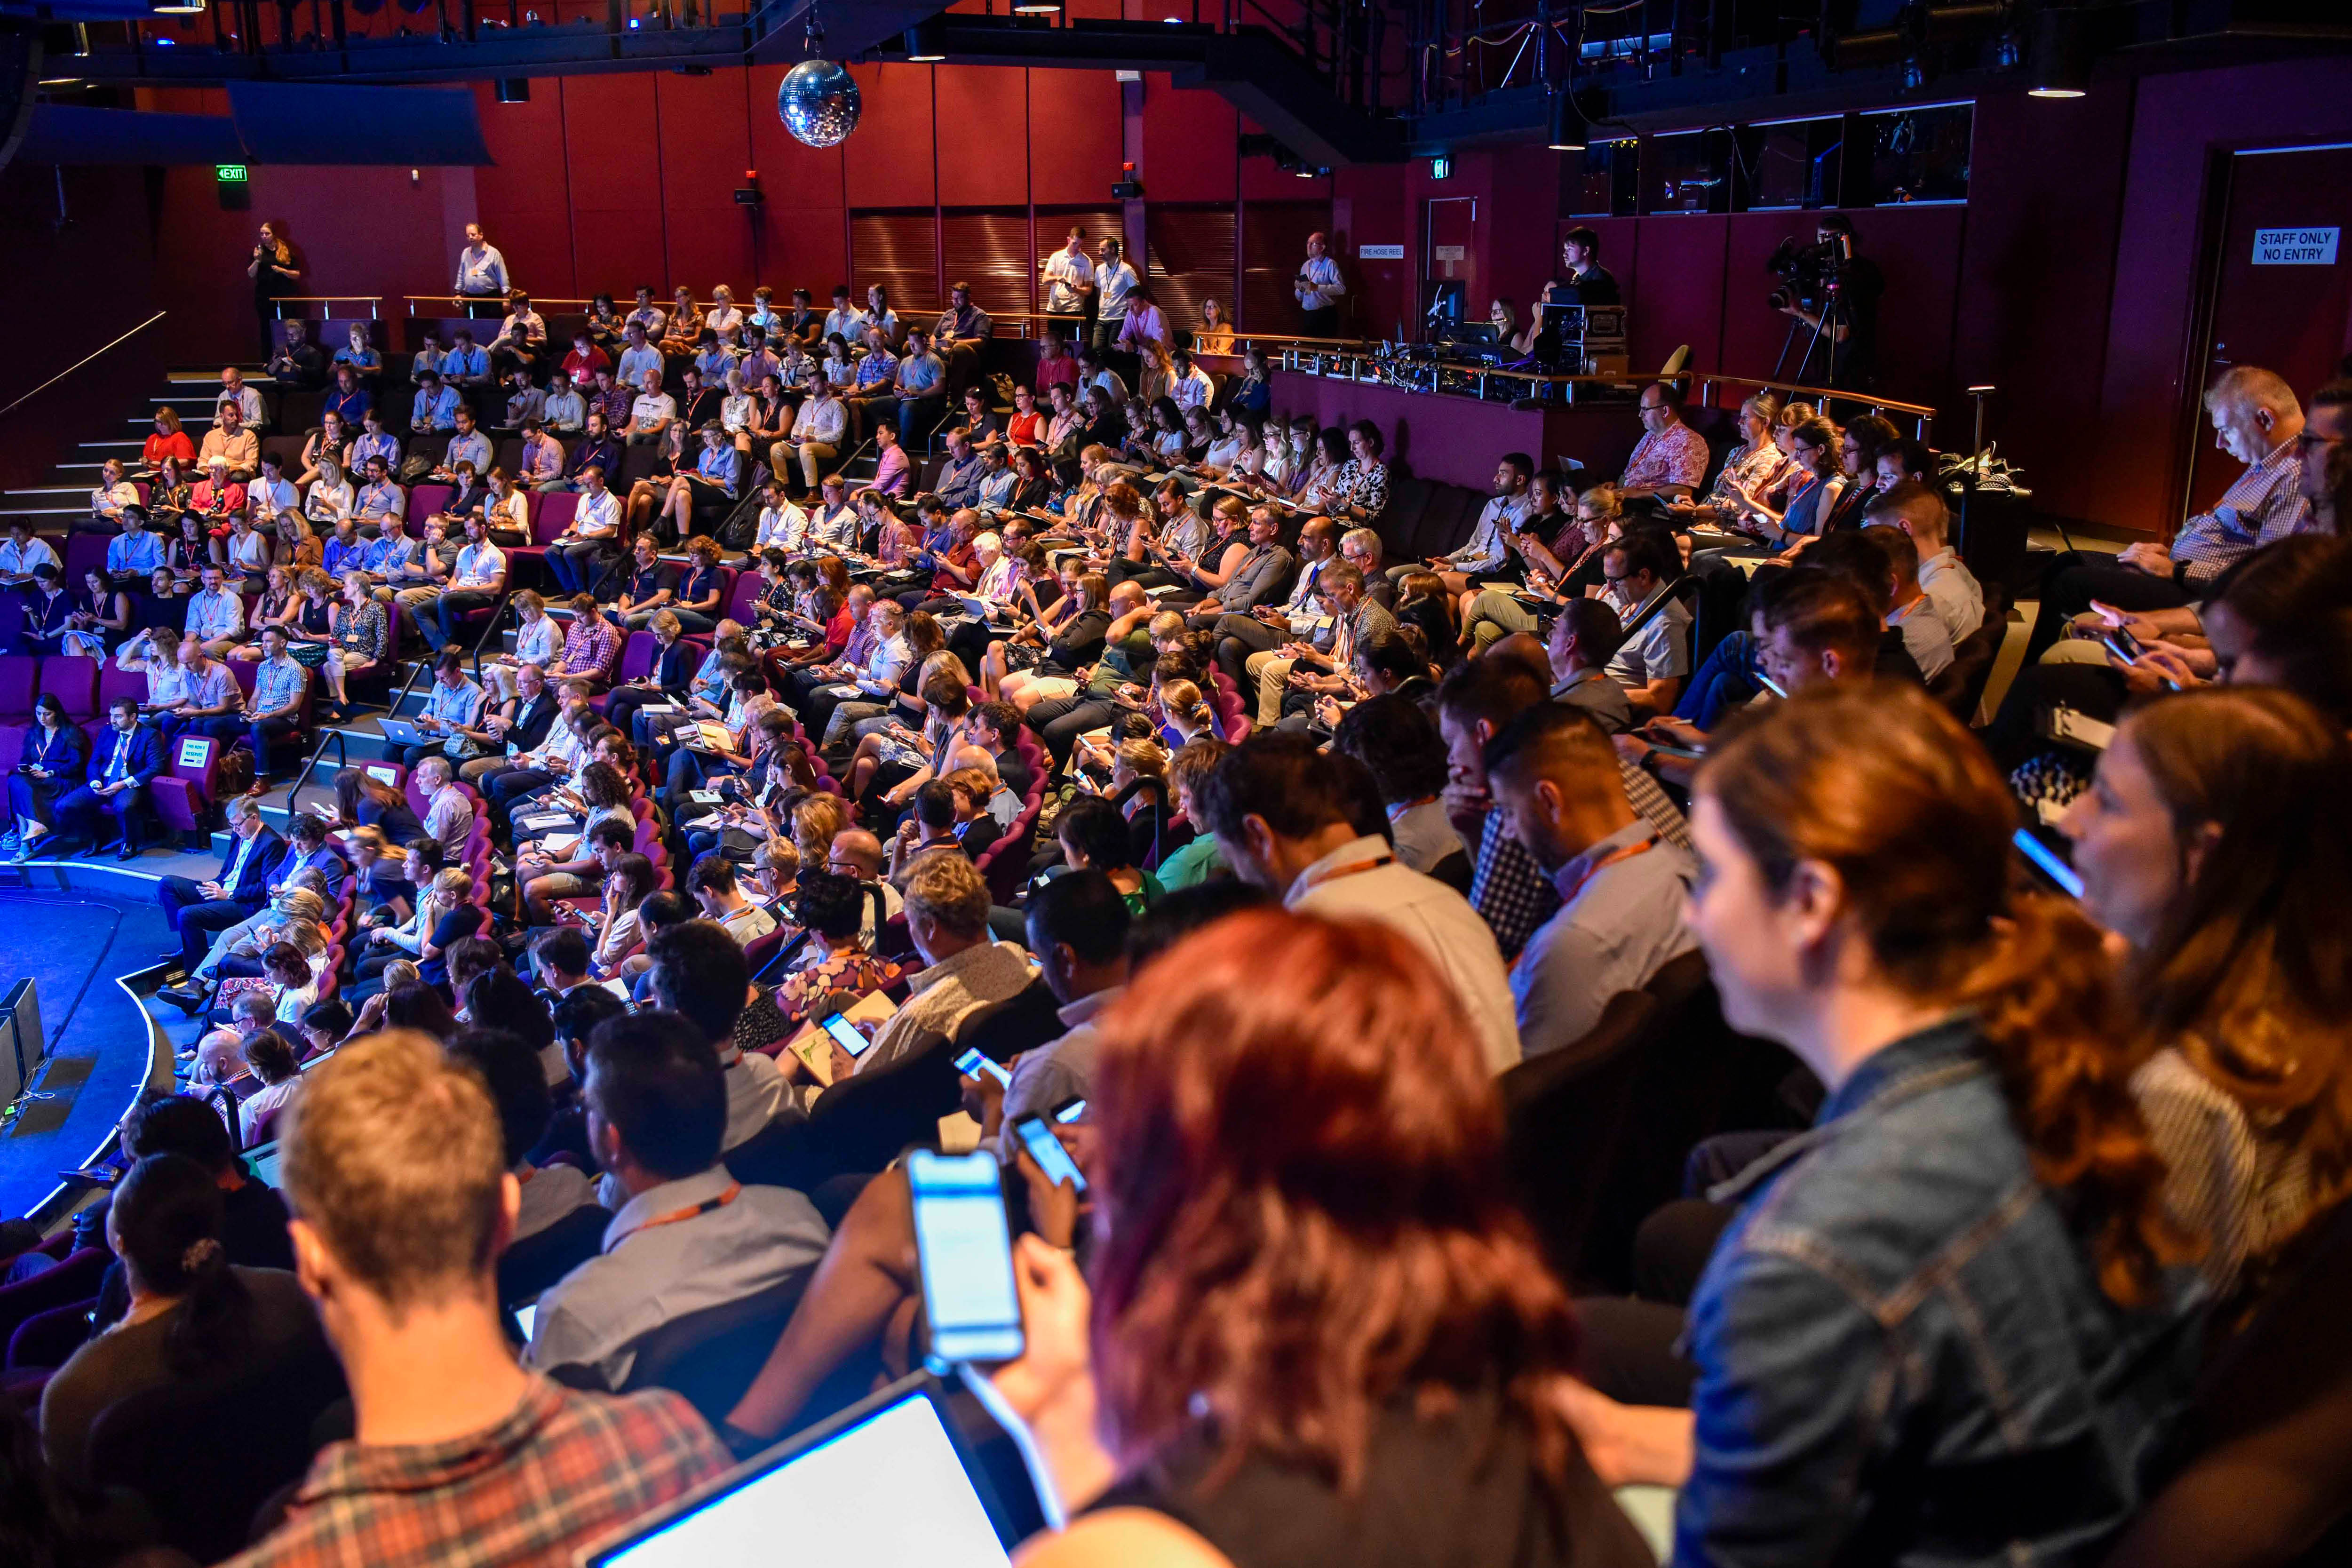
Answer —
1796 324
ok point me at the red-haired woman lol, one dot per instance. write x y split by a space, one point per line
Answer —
1946 1325
1319 1332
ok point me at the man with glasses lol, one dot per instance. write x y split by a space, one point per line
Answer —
1670 459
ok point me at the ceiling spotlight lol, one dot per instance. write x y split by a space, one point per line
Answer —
1037 8
178 8
2061 55
1567 131
927 41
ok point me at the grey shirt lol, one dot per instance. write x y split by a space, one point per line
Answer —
1059 1069
1621 922
1254 580
674 1249
1423 835
1599 695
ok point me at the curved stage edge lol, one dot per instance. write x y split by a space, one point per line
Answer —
90 1133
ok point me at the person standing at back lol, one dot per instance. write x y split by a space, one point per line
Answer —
396 1166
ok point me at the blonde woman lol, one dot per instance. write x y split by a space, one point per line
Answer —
277 607
329 499
292 544
443 916
1188 715
246 548
537 640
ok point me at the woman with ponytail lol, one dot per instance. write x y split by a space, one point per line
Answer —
1946 1325
193 1315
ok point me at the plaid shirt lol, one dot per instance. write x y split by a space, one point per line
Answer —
1509 889
2262 507
554 1476
588 650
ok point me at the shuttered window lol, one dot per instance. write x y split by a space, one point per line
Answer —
1273 246
898 248
1191 260
989 248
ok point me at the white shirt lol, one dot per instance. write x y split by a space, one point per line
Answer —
1066 274
781 528
1117 283
1193 389
479 565
823 420
848 323
599 516
18 559
634 363
652 408
1954 590
1433 917
756 1093
1318 283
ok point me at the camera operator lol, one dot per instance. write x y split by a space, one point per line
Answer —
1832 281
1587 283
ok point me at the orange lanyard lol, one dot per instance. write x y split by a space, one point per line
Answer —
1568 894
734 1190
1351 868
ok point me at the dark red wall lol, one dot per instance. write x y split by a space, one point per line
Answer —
2066 281
81 279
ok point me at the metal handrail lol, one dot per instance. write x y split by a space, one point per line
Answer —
334 738
373 302
498 618
81 361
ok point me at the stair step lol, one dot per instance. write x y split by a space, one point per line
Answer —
110 446
23 505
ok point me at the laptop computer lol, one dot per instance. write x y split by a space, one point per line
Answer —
888 1482
401 733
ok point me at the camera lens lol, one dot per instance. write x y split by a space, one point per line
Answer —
1779 299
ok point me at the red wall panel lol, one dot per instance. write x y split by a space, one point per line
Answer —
706 139
1188 144
983 133
1681 266
889 158
1074 135
806 247
526 191
793 174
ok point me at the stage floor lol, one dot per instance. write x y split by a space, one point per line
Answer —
73 943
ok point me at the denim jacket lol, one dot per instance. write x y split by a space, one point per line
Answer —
1904 1356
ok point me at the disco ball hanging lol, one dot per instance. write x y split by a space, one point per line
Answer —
818 103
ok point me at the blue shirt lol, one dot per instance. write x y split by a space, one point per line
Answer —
456 704
389 557
352 406
140 552
719 466
922 372
435 408
338 557
377 445
459 364
277 683
876 368
473 448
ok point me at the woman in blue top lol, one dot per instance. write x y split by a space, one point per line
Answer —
1814 491
1947 1324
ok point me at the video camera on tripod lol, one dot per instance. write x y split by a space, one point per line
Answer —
1808 272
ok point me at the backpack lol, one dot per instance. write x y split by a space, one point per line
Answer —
415 467
233 772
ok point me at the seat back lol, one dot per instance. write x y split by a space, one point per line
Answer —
744 593
184 792
709 1357
1697 1077
113 683
424 500
71 1280
638 656
72 679
538 1260
203 1456
1563 1116
18 686
551 513
1961 686
50 1337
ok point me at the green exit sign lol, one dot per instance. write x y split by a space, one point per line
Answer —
229 173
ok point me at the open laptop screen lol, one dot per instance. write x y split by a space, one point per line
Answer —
888 1490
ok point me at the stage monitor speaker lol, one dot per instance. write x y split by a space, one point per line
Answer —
22 1038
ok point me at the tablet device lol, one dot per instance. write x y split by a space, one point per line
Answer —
966 1255
888 1482
263 1162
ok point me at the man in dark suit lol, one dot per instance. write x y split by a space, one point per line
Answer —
535 710
121 765
199 910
